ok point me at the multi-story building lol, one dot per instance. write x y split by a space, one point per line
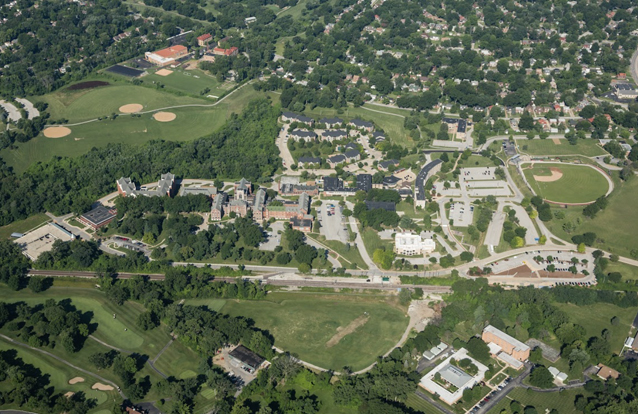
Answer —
507 344
165 187
166 56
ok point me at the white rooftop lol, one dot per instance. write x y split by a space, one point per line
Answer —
509 360
520 346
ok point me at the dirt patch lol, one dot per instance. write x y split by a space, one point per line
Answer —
131 108
190 65
519 271
76 380
556 141
342 332
69 394
557 174
56 132
163 72
87 85
421 313
101 387
164 116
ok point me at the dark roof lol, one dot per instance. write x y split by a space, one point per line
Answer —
362 124
303 134
391 180
297 117
337 159
332 184
364 182
331 121
352 153
247 356
297 222
462 126
98 215
310 160
388 163
421 177
450 120
404 191
385 205
335 133
377 135
352 145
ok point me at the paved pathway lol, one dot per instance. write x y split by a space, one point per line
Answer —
57 358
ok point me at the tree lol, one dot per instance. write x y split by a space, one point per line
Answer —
405 296
581 248
526 122
467 256
37 284
541 377
478 349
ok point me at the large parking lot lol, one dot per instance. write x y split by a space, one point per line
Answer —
331 218
561 259
273 237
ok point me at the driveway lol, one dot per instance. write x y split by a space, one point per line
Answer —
493 235
332 226
28 106
516 382
273 238
12 112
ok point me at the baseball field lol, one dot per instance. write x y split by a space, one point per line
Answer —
566 183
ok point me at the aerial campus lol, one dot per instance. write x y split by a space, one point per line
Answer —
357 206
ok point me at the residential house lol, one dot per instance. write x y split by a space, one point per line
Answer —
352 155
359 124
293 117
385 165
305 161
302 135
331 135
604 372
331 122
336 160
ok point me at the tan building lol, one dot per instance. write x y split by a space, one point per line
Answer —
166 56
507 343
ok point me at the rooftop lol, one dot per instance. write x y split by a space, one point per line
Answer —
518 345
247 356
455 376
98 215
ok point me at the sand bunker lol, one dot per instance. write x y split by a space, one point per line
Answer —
557 174
163 72
342 332
76 380
131 108
69 394
56 132
101 387
556 141
164 116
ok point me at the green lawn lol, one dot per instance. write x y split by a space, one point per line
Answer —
304 323
562 401
595 318
586 147
578 184
352 255
616 226
190 81
22 226
212 304
59 375
372 241
420 405
628 272
191 123
178 360
109 330
476 161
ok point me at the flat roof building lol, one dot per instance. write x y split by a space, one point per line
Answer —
165 187
246 358
208 191
100 216
41 240
364 182
408 244
508 344
166 56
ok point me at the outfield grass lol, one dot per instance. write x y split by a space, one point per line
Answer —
22 226
562 401
579 184
586 147
616 226
59 375
595 318
191 123
304 323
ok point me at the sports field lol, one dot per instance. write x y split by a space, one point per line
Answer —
190 122
586 147
190 81
305 323
566 183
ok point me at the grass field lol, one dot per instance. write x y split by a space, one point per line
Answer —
476 161
578 184
628 272
595 318
616 226
561 401
59 375
22 226
372 241
191 122
304 323
586 147
420 405
101 310
190 81
352 255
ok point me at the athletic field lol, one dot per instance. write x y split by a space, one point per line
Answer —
566 183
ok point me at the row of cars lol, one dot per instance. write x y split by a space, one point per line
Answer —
489 396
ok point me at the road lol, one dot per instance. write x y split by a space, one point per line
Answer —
359 242
516 382
32 112
65 362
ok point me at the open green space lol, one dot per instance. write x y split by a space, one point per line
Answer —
192 82
476 161
304 323
595 318
191 122
22 226
586 147
628 272
351 254
59 375
562 401
578 184
121 331
372 241
420 405
616 226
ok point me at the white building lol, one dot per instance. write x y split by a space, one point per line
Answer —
456 379
409 244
